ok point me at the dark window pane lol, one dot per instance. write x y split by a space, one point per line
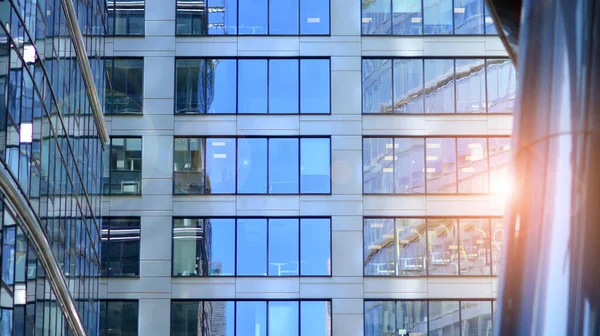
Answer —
408 86
121 246
252 166
409 165
412 317
437 16
190 92
128 16
252 85
283 166
377 17
379 251
220 86
411 244
283 17
315 318
220 166
251 247
253 17
378 162
184 318
380 318
444 318
468 17
188 166
443 246
283 86
125 84
315 246
472 165
475 258
470 86
407 17
439 81
130 317
501 86
251 318
283 247
283 318
315 86
441 165
314 17
476 317
377 86
315 166
222 17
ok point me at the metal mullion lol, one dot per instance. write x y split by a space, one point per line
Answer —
235 166
268 222
454 81
489 245
427 253
458 226
268 86
203 143
423 33
396 249
235 253
299 250
425 192
456 164
237 83
393 165
299 142
485 76
453 20
268 190
300 73
460 317
267 317
204 77
268 31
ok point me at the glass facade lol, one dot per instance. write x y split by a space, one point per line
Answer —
118 318
426 17
50 145
435 165
123 167
432 246
438 86
251 247
126 17
120 246
252 17
251 318
124 90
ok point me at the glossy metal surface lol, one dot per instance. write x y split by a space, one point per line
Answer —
507 18
88 77
29 223
551 271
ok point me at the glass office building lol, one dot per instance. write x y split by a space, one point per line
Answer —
51 140
303 167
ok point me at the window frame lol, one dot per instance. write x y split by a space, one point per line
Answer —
106 92
129 218
237 81
235 247
489 245
487 61
110 170
236 138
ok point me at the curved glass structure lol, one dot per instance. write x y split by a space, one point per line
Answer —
50 155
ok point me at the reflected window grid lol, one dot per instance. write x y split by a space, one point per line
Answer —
123 166
126 17
124 90
120 255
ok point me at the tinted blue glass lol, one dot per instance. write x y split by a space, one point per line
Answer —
283 166
220 166
378 171
315 246
283 17
222 17
251 247
409 165
222 245
252 166
221 86
315 86
315 166
283 86
252 86
437 16
490 28
407 17
283 318
468 16
314 17
283 247
251 318
8 255
315 318
377 85
408 86
6 321
253 17
377 17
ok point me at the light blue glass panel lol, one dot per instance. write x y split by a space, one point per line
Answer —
253 17
315 246
251 318
252 86
315 166
440 158
283 17
378 163
251 247
470 86
377 86
314 17
283 166
222 17
221 86
252 166
315 91
377 17
283 318
283 86
439 84
283 247
468 17
315 318
437 17
220 165
408 86
407 17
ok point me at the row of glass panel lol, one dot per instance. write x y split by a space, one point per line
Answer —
433 317
251 246
426 17
251 318
435 165
413 85
432 246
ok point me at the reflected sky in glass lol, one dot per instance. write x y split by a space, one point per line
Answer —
221 93
220 165
283 318
252 86
252 166
251 318
253 17
252 247
283 17
283 247
315 246
283 86
314 17
283 166
315 86
222 241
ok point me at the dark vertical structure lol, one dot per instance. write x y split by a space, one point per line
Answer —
549 281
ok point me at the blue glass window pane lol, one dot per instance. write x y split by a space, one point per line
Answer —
378 163
253 17
8 255
377 17
407 17
220 166
6 322
501 86
252 86
441 165
251 318
221 246
315 318
252 166
472 165
283 318
283 17
314 17
490 27
380 318
437 17
470 86
222 17
468 17
283 247
315 84
377 85
252 247
412 316
379 250
409 165
315 166
283 166
315 246
439 81
220 86
283 86
408 86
